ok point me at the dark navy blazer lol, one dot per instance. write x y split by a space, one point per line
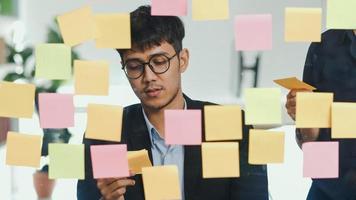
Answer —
251 185
331 67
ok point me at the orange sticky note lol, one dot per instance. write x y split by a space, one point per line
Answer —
113 31
265 147
161 182
223 123
343 120
104 122
91 77
220 159
23 149
17 100
313 110
210 9
302 25
77 26
138 160
292 83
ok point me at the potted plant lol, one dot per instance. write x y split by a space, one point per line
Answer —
22 58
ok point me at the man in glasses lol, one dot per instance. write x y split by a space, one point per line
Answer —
153 67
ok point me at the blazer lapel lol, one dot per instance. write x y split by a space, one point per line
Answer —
137 133
192 161
192 170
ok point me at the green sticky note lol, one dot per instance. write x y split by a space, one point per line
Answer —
53 61
340 14
66 161
263 106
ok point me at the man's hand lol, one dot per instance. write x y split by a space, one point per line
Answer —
291 102
303 134
114 188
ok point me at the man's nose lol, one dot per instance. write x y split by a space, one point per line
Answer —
148 74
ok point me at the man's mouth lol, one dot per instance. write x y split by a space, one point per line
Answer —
153 92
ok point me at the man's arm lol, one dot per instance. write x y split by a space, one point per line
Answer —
301 134
306 135
310 76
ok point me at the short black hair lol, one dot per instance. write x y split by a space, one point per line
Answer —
148 31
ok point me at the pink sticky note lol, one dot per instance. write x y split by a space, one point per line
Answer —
321 159
169 7
183 127
56 110
253 32
109 161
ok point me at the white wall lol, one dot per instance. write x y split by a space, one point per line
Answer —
210 43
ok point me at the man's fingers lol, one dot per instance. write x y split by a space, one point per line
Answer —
112 188
291 103
119 193
132 173
291 113
123 183
107 180
292 94
116 195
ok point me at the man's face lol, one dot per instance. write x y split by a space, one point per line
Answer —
157 91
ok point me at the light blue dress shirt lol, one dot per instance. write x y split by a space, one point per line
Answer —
163 154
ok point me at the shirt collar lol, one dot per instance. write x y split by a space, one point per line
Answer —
153 133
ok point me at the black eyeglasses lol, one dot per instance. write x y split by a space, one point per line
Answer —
158 63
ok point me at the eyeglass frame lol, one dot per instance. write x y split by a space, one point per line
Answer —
143 65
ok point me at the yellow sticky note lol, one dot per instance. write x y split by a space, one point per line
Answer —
138 160
223 123
263 106
302 25
220 159
104 122
340 14
292 83
343 120
265 147
77 26
313 110
23 149
210 9
17 100
53 61
91 77
161 182
66 161
113 31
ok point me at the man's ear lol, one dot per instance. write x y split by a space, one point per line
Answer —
184 60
